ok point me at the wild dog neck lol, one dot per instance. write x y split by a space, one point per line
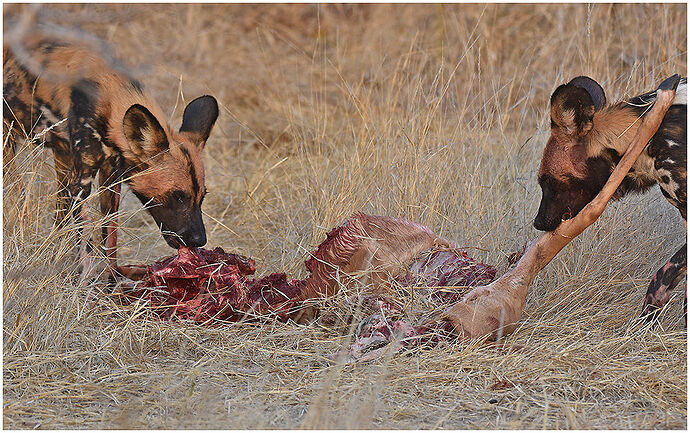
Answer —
613 130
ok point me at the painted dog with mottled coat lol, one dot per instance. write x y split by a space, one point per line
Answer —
588 138
113 129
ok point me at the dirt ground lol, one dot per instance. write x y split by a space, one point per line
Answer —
435 113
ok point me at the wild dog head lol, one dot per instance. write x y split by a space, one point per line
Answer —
567 179
167 172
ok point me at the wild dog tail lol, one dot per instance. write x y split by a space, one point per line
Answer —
649 97
28 41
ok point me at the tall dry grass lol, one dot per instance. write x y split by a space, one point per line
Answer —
436 113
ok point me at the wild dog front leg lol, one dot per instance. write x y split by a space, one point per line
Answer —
78 190
109 179
86 135
665 280
64 167
87 160
74 186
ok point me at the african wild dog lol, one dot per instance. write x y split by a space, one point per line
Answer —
588 138
112 129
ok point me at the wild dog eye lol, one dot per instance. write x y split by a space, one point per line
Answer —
180 197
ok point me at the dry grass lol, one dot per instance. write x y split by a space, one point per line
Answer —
433 113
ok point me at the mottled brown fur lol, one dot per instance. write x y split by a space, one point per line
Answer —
110 125
588 138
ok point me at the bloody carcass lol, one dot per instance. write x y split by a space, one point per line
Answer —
376 252
211 285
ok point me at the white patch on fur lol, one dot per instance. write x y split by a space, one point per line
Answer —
672 143
671 187
94 133
49 115
682 93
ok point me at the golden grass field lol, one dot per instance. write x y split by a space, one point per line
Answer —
435 113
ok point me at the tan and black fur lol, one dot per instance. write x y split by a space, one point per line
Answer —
589 137
113 130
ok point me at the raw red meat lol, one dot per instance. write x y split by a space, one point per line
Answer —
203 286
447 272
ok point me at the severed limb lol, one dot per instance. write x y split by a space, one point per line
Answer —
495 309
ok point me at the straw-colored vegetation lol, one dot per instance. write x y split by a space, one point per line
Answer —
433 113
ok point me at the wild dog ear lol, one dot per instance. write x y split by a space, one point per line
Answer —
573 105
145 135
596 92
199 117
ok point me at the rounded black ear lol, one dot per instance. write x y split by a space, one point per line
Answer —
572 109
596 92
199 116
144 133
